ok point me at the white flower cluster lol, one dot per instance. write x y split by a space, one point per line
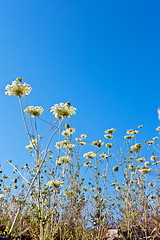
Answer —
54 183
89 155
32 142
18 89
68 132
61 160
63 110
34 111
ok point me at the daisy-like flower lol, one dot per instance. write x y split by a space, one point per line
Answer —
147 163
140 126
131 131
135 148
83 136
64 159
108 136
70 146
78 139
89 155
34 111
98 143
110 131
129 136
158 128
68 132
154 158
59 145
29 146
142 159
65 133
63 110
18 89
54 183
109 145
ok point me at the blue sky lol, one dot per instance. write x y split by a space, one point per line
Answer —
102 56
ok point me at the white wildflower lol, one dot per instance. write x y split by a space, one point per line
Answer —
34 111
70 146
142 159
98 143
110 131
61 160
89 155
83 136
18 89
63 110
59 145
54 183
154 158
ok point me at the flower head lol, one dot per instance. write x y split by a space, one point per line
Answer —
108 136
128 136
142 159
109 145
18 89
83 136
135 148
68 132
98 143
63 110
59 145
153 158
34 111
110 131
131 131
54 183
61 160
89 155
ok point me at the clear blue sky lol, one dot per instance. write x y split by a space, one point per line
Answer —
102 56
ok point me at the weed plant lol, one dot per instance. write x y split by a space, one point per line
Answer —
76 189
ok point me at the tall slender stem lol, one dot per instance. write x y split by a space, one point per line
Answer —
31 185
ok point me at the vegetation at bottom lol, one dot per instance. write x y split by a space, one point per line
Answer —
73 188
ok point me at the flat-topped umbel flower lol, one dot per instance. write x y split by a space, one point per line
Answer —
63 110
18 89
34 111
